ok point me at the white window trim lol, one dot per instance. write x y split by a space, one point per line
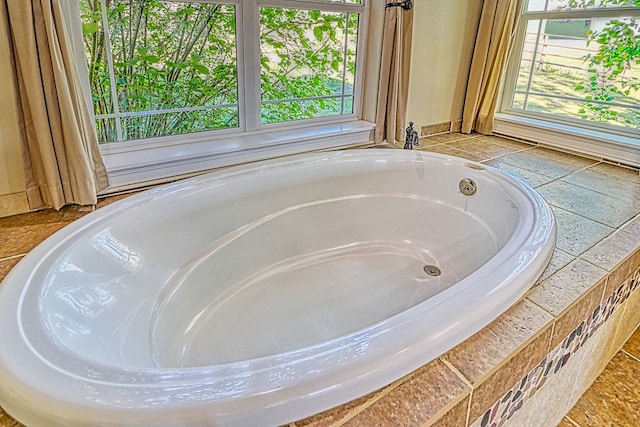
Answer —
137 163
613 143
593 143
152 163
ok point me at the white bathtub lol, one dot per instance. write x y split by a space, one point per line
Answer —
262 294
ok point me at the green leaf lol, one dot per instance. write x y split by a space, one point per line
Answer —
89 28
201 68
318 33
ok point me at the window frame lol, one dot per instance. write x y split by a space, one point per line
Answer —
620 134
251 59
248 66
133 164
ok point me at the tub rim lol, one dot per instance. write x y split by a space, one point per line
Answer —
145 383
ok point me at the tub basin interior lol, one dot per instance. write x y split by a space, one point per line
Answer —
317 281
266 263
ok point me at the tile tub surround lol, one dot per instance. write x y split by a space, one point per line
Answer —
512 365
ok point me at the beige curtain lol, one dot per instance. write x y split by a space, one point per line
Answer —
60 147
493 42
394 75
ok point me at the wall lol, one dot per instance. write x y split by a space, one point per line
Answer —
12 185
444 33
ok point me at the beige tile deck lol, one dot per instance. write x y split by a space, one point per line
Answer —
534 161
532 178
558 261
599 207
566 286
576 233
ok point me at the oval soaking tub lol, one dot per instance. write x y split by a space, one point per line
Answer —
262 294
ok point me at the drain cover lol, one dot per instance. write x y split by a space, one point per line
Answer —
432 270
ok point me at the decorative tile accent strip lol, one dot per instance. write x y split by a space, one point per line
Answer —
513 399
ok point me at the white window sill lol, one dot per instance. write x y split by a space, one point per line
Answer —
141 163
608 146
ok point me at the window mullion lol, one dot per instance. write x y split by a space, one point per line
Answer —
361 47
112 77
513 67
249 45
344 61
533 63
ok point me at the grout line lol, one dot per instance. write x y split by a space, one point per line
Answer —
568 418
609 270
586 217
637 217
13 257
488 138
457 372
553 179
436 419
571 152
590 219
497 158
451 405
484 155
370 402
591 189
468 421
636 359
540 308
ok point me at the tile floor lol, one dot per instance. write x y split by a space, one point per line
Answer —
583 232
614 398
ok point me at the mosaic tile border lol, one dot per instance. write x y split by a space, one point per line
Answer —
513 399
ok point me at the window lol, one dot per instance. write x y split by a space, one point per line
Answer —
307 63
162 68
578 62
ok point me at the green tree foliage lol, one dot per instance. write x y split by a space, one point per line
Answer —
167 56
609 77
306 53
164 56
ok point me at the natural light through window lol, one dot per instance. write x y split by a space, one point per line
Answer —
162 68
307 63
578 61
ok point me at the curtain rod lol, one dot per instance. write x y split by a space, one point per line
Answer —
406 4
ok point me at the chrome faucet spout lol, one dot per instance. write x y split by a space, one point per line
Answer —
411 139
